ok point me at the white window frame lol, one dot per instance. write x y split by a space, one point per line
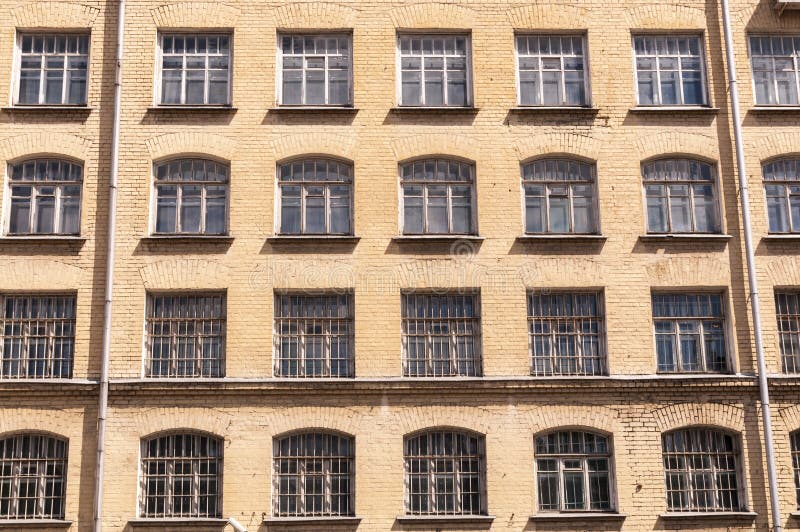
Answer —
587 88
41 476
786 184
701 38
157 77
795 60
399 69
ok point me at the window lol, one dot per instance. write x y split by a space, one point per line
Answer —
441 335
314 475
38 335
775 66
782 185
445 473
701 469
191 197
315 69
690 333
670 70
316 197
435 70
795 437
181 477
566 333
185 335
559 197
45 197
438 197
551 70
195 69
53 69
681 197
787 305
33 471
573 472
314 335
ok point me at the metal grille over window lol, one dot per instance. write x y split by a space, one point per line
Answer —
438 197
681 197
441 335
795 437
191 197
53 69
690 333
551 70
316 197
185 335
195 69
434 71
314 475
45 197
445 474
38 336
181 477
700 467
559 197
33 482
316 70
670 70
566 334
573 472
314 335
787 305
775 62
782 185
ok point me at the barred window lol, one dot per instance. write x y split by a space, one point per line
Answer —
774 60
573 472
551 70
316 197
181 477
560 197
701 469
795 437
52 69
45 197
195 69
33 477
315 69
670 69
191 197
782 186
435 70
445 473
314 475
566 334
681 197
38 336
438 197
787 305
690 333
185 335
314 335
441 335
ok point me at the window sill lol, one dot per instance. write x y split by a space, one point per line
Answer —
578 516
694 109
782 237
561 238
404 239
313 239
35 523
566 109
313 109
424 109
313 521
221 239
173 523
689 516
192 108
446 520
686 237
67 239
49 108
775 108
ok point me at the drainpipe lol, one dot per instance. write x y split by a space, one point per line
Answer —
102 410
763 382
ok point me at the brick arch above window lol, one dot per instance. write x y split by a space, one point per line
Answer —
433 16
310 145
558 145
688 272
712 415
666 17
692 145
777 146
190 143
185 274
421 419
157 422
41 274
39 14
436 144
543 17
315 15
49 144
63 424
599 420
319 419
195 15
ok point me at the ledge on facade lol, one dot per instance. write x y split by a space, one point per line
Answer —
35 523
344 109
532 238
691 516
421 239
685 237
672 109
579 516
49 109
313 239
469 110
775 109
46 239
446 520
795 515
179 523
782 237
213 239
41 387
560 109
192 108
317 521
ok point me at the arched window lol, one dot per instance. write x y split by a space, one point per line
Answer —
315 197
445 473
560 197
45 197
181 476
782 186
573 472
701 468
33 470
681 196
795 437
314 475
191 197
438 197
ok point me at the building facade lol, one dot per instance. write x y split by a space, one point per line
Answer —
468 265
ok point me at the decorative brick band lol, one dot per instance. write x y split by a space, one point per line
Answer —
45 143
191 143
315 15
195 15
54 15
433 16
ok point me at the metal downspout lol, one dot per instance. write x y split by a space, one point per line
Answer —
102 411
763 382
